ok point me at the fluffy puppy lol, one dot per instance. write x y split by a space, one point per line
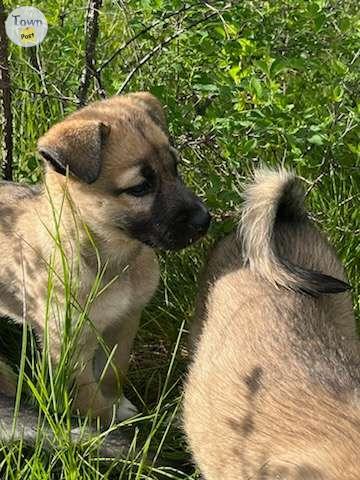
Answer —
273 390
80 247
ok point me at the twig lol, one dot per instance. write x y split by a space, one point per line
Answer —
162 44
7 147
62 98
36 65
117 52
100 89
91 34
314 183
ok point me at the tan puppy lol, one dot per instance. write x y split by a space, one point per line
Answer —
273 392
122 197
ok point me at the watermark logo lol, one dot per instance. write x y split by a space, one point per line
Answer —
26 26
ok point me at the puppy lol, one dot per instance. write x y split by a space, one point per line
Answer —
273 391
112 193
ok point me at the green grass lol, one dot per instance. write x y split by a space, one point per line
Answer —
272 82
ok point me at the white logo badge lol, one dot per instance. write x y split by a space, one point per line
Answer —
26 26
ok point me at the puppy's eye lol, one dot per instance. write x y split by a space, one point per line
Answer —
139 190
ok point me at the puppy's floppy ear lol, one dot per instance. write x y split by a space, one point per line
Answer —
152 106
76 144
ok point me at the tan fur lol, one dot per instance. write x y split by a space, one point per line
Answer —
104 147
273 390
8 379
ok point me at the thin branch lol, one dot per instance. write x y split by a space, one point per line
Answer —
7 147
99 87
161 45
91 34
61 98
117 52
36 65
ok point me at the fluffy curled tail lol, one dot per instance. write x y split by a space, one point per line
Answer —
274 196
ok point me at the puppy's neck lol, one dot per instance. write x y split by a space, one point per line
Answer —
78 205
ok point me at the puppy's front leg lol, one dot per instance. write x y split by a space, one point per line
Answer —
119 340
100 383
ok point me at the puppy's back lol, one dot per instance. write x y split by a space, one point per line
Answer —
272 375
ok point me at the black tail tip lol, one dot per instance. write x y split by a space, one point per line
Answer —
315 283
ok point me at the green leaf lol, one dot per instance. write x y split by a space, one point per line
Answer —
233 72
256 87
249 145
263 66
340 67
338 93
220 30
316 139
279 66
354 148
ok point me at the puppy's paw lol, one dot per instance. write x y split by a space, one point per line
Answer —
125 410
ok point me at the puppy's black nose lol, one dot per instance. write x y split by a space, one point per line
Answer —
200 219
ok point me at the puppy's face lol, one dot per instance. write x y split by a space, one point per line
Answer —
145 195
119 150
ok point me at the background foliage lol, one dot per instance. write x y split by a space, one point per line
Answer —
243 82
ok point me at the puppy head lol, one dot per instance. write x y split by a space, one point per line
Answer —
118 150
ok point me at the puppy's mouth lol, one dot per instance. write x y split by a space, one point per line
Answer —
175 236
169 242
